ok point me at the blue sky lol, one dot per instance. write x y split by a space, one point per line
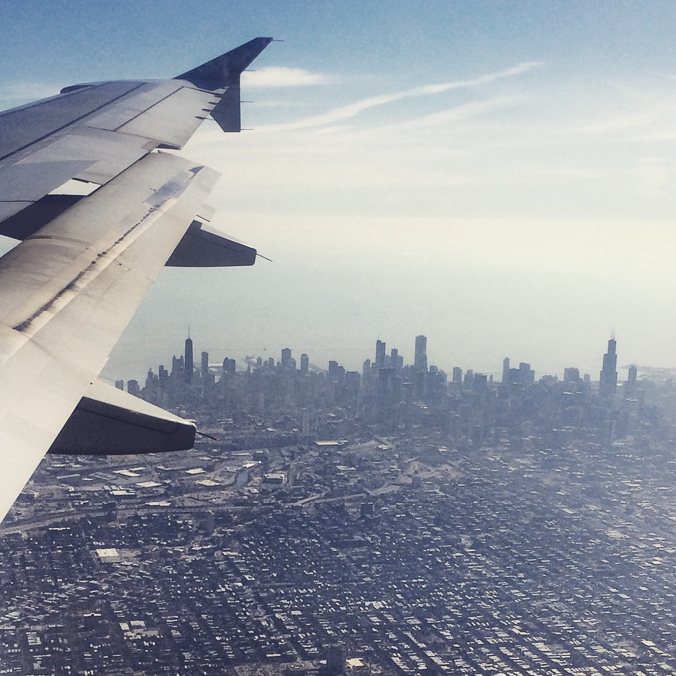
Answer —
496 175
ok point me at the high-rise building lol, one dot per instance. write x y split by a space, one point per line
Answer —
286 358
304 363
608 376
505 370
420 361
205 365
380 353
526 374
631 382
188 367
177 364
396 360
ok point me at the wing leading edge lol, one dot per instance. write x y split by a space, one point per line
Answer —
74 282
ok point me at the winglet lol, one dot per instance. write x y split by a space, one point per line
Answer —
224 70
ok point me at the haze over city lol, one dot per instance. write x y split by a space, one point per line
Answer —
495 176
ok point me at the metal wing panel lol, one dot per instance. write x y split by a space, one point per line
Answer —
174 119
143 98
102 154
73 287
26 125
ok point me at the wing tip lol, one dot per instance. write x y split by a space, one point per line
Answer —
225 69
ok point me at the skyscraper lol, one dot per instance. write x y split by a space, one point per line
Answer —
631 382
608 377
380 353
420 362
505 371
188 364
396 360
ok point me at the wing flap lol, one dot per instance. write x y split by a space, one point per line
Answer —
108 421
204 247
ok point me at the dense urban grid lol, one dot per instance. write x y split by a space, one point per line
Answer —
392 521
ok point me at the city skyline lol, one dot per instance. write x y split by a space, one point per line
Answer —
383 357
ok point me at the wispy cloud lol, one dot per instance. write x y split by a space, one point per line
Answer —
278 76
616 123
460 113
354 109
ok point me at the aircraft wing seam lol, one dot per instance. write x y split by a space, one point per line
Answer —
142 112
70 123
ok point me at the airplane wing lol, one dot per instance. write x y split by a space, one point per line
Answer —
68 290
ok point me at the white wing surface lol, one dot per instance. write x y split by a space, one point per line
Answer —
68 290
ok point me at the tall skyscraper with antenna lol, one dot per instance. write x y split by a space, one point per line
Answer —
380 353
608 377
189 366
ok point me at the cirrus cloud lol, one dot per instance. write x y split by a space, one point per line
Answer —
353 109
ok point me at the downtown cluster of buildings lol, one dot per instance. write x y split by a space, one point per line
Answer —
389 396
